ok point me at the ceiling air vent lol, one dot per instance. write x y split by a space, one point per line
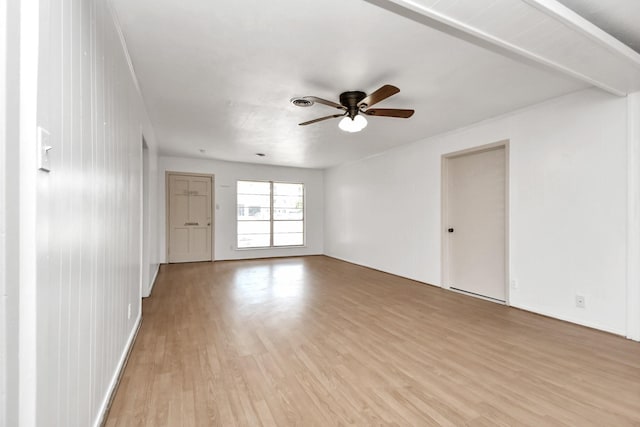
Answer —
301 102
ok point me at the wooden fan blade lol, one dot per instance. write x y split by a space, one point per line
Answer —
321 119
325 102
379 95
389 112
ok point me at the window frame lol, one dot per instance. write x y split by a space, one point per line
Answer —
271 219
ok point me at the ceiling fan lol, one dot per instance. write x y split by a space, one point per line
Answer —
353 103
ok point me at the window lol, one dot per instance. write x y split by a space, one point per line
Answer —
270 214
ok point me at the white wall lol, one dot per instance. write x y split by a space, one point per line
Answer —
633 220
26 247
568 206
86 217
226 176
6 294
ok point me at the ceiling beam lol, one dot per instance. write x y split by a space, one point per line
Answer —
539 32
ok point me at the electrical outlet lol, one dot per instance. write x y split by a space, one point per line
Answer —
514 284
129 311
580 301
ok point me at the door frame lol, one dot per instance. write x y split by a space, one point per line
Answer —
444 215
145 218
167 210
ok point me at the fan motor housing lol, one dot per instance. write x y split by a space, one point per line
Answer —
350 100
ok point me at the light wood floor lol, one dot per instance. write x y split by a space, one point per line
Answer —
318 342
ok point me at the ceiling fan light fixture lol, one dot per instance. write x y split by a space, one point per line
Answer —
352 104
356 124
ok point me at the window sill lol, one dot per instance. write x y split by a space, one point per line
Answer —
269 247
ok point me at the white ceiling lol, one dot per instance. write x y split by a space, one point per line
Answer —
218 76
620 18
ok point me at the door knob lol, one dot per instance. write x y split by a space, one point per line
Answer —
450 230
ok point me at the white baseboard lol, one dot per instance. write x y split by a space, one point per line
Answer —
115 380
592 325
415 279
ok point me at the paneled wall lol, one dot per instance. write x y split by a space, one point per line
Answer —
567 206
5 335
89 207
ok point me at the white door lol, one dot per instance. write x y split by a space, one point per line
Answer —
476 222
189 218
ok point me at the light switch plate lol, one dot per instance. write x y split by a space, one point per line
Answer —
44 145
